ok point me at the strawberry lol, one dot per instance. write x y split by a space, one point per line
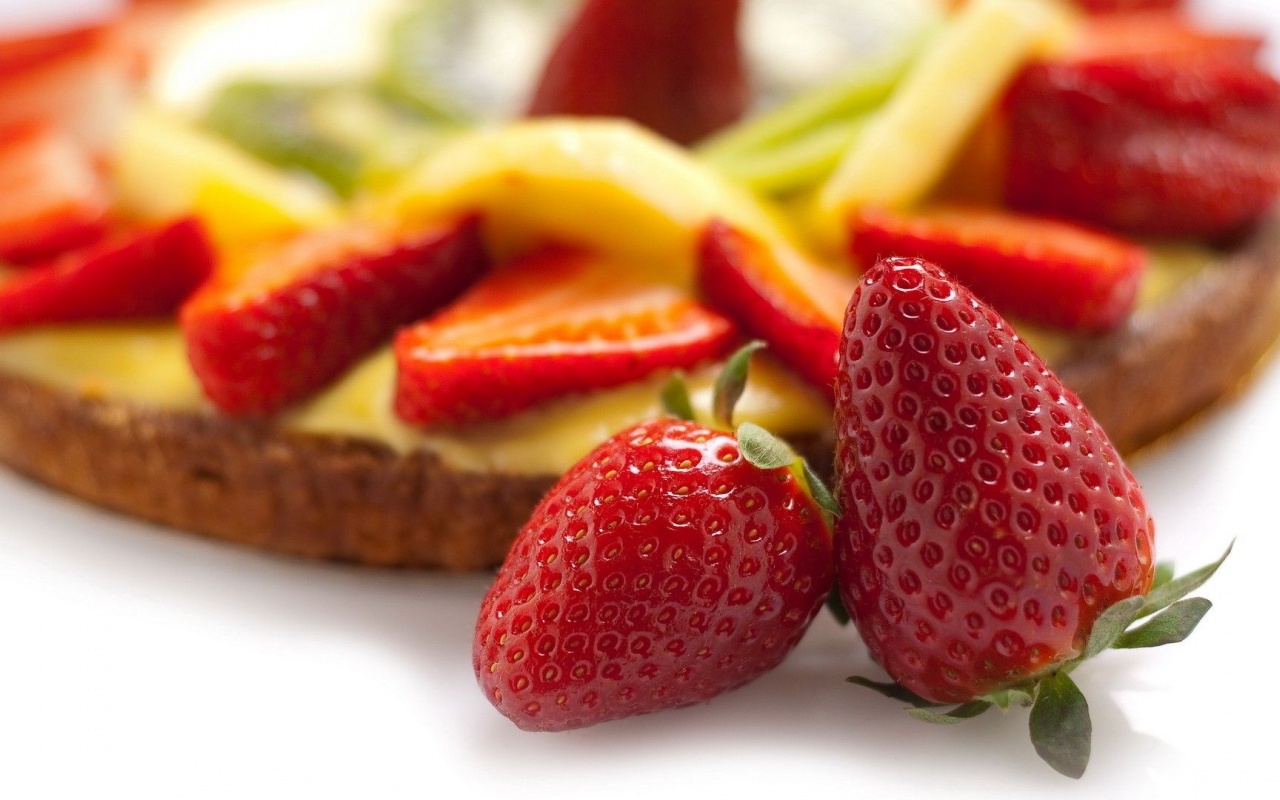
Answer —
51 199
778 296
671 65
1159 146
673 563
1121 6
139 274
547 325
306 309
1155 33
1039 269
993 537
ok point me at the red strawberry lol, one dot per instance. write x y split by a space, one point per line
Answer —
663 569
1121 6
1155 146
76 81
1039 269
671 65
306 309
544 326
1154 33
992 536
134 275
51 199
780 297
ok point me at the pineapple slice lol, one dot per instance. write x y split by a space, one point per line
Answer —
906 148
606 185
165 168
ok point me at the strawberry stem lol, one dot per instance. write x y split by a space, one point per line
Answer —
732 382
675 398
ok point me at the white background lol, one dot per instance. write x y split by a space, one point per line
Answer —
139 663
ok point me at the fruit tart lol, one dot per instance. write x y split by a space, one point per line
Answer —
372 317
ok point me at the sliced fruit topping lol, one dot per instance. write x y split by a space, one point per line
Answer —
240 198
51 199
1120 6
673 66
673 563
1145 34
1159 145
779 295
548 325
905 149
992 537
141 274
1041 270
74 79
608 186
306 309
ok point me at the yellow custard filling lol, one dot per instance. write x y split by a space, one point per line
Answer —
147 364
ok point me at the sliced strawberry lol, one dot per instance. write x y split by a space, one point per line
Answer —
134 275
672 65
1155 33
1122 6
1039 269
51 199
28 51
305 310
76 81
1155 146
547 325
779 296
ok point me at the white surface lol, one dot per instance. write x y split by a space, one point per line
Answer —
139 663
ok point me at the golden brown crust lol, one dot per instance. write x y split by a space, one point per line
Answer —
350 500
1173 360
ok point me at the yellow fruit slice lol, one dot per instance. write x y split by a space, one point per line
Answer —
607 185
165 168
906 148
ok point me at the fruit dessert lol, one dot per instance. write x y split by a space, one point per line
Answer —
347 319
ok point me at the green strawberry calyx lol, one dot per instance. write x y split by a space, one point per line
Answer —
761 448
1061 731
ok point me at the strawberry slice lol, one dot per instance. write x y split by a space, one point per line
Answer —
141 274
1160 146
51 199
304 310
779 296
1123 6
547 325
1039 269
1156 33
672 65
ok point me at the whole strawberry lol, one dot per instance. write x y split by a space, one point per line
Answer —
663 569
992 536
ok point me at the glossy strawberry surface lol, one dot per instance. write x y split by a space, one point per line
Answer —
988 520
134 275
1158 146
548 325
794 306
304 310
671 65
662 570
1038 269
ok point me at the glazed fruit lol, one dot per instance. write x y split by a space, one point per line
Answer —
670 65
51 199
662 570
302 311
1037 269
992 537
777 295
135 275
548 325
1159 145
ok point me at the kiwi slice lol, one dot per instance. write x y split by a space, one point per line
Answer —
277 123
